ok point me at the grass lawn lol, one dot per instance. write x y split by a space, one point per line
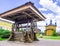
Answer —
52 37
3 39
49 37
38 35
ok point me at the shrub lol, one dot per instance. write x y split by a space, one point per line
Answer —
55 34
1 32
4 33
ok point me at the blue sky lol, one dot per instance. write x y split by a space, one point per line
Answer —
10 4
49 8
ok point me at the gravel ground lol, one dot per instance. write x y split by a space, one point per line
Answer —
42 42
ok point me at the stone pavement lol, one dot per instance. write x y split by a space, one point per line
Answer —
42 42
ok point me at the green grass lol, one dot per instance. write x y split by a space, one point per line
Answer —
52 37
3 39
49 37
38 35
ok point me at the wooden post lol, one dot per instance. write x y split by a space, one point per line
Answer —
11 38
16 27
28 35
32 33
33 30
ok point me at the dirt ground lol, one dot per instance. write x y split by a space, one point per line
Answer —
42 42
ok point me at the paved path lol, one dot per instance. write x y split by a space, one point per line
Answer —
42 42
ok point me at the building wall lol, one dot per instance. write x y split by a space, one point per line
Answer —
51 27
50 30
5 25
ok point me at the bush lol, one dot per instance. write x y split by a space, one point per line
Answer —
4 33
1 32
55 34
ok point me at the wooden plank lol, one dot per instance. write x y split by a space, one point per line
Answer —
30 16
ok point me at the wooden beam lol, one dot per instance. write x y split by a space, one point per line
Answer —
35 14
15 10
19 17
24 21
30 16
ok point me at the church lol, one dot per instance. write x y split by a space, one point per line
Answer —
50 29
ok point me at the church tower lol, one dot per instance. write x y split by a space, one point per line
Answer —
50 29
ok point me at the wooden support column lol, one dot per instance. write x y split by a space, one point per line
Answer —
11 38
27 24
33 30
16 27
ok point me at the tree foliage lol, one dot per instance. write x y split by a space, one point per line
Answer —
55 33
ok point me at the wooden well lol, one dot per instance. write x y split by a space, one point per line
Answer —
26 13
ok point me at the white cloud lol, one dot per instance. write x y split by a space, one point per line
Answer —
58 0
58 17
41 23
49 15
42 29
42 9
52 6
54 19
58 20
58 29
49 4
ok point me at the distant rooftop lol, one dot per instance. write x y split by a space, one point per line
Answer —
1 19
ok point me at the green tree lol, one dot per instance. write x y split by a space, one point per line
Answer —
55 33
